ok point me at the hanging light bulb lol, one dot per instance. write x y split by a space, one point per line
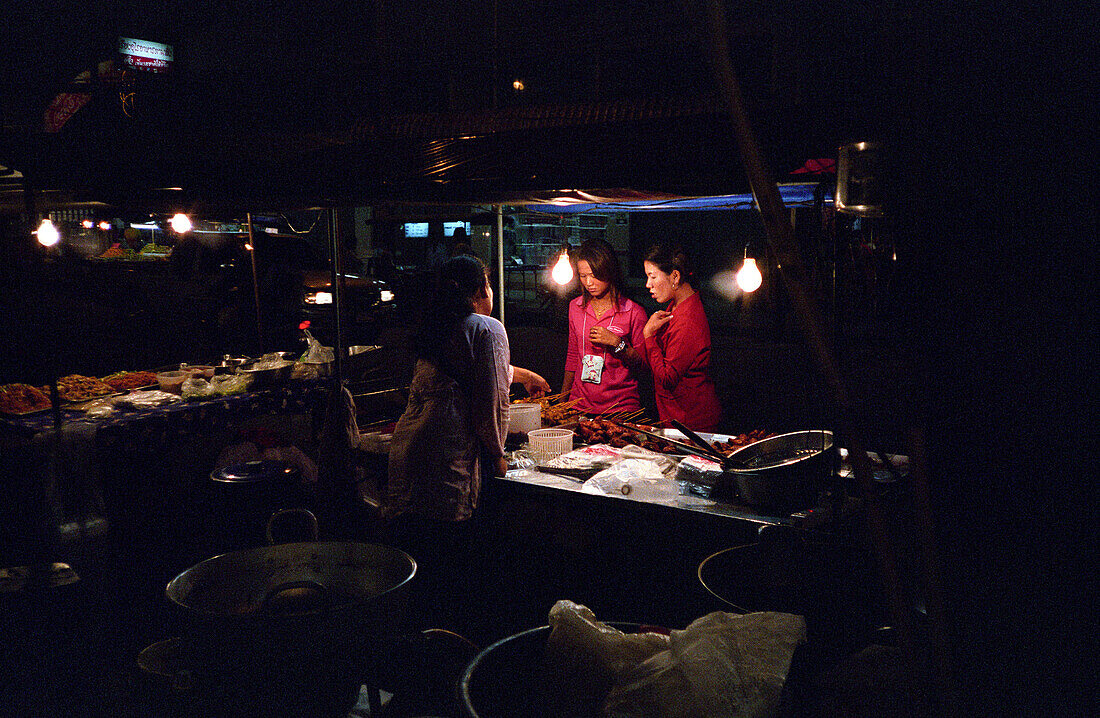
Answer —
180 223
562 273
48 235
748 277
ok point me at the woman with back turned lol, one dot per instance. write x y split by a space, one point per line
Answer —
451 435
677 342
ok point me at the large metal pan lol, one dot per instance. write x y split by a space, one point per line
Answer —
290 604
784 472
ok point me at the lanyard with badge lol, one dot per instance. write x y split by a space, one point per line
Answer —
591 364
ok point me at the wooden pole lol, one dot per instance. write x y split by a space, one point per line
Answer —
780 234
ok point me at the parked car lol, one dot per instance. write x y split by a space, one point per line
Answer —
367 305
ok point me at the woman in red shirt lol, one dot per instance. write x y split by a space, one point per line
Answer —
602 363
677 343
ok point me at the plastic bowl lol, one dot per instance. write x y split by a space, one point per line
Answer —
524 418
172 380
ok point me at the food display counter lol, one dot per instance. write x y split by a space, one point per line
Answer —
638 554
670 507
157 423
144 470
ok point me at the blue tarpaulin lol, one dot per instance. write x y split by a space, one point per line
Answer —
794 195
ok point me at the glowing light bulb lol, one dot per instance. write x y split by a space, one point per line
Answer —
748 277
105 225
180 223
48 235
87 224
562 273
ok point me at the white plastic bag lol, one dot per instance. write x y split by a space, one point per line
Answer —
315 353
100 409
586 657
639 479
196 388
723 664
664 462
149 399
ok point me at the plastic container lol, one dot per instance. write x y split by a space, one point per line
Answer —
546 444
172 381
524 418
203 370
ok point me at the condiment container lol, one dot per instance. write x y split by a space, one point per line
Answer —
172 380
524 418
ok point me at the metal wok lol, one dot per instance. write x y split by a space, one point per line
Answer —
290 605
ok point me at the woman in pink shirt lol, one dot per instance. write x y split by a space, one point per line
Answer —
601 361
677 343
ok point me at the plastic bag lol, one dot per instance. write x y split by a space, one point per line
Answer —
723 664
700 476
640 479
229 384
196 388
586 658
595 456
149 399
100 408
666 463
315 353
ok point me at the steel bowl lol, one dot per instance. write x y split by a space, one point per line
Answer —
509 679
271 375
784 472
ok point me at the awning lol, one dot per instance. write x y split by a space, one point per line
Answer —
576 202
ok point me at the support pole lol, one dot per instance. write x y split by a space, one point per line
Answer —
337 290
499 211
255 284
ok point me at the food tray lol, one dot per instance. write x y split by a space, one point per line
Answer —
121 374
28 412
84 403
12 393
85 383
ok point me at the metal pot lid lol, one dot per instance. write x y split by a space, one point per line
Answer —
252 471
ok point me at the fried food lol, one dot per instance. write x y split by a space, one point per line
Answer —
21 399
76 388
742 440
604 431
126 380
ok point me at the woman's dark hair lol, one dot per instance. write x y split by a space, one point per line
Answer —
669 257
457 283
604 264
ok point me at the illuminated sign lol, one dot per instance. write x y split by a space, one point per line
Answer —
145 55
416 229
450 227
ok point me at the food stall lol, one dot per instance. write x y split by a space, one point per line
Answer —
620 550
